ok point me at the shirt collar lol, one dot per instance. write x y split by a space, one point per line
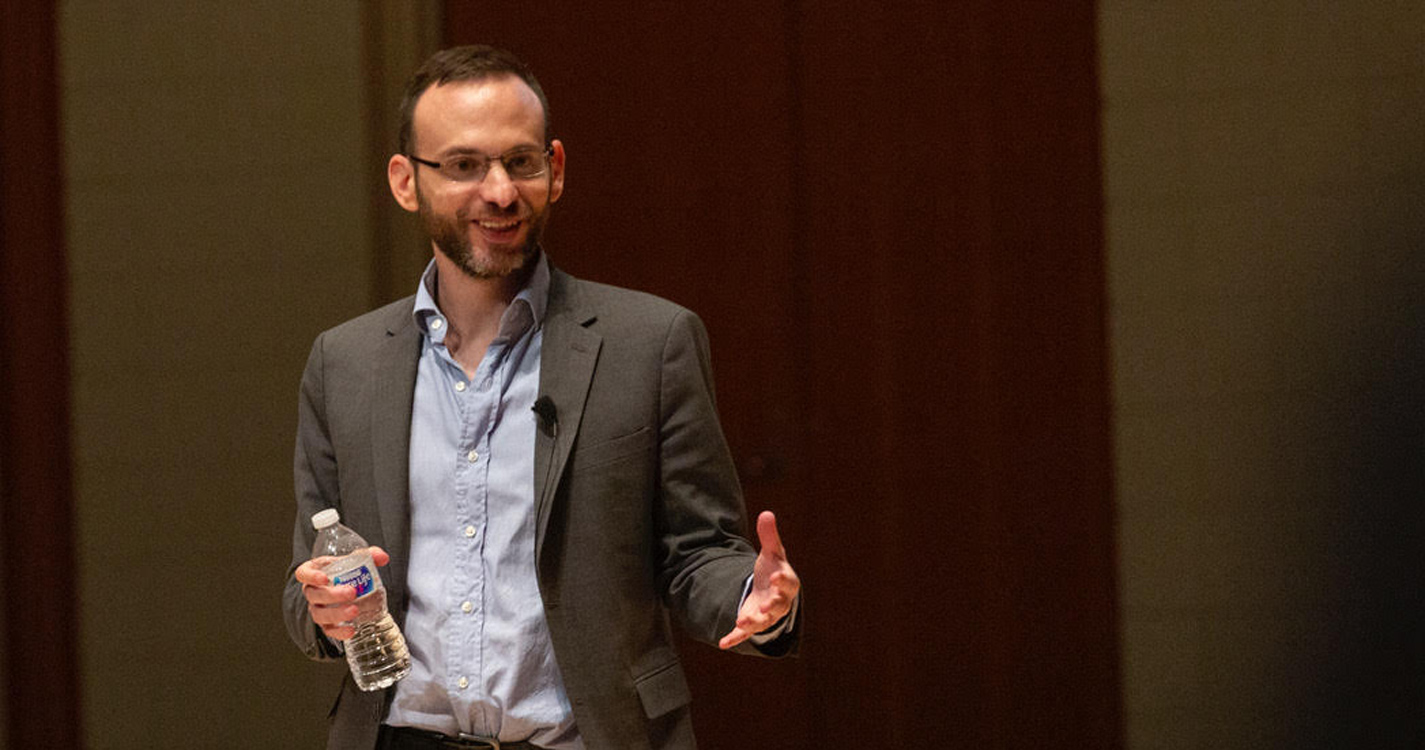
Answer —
533 299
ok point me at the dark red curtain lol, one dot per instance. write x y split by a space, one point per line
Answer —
36 507
892 220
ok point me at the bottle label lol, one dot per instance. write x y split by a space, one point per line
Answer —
360 577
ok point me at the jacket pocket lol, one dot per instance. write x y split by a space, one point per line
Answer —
609 451
663 690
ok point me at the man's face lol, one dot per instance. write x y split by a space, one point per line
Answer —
488 228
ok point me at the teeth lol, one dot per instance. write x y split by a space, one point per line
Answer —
498 225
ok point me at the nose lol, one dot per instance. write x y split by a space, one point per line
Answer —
497 188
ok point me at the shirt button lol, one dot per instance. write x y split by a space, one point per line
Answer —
472 456
436 324
463 683
460 386
469 531
467 608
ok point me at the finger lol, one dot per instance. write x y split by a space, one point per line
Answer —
757 616
785 582
310 572
737 636
775 607
339 632
333 614
327 595
767 535
776 603
757 624
379 555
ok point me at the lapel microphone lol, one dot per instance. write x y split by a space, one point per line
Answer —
549 425
548 415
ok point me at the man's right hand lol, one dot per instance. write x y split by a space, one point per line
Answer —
332 607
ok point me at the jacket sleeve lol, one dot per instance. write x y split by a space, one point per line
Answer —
705 557
314 469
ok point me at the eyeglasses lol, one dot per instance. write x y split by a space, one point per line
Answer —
520 164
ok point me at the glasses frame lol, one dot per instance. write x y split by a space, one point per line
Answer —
547 152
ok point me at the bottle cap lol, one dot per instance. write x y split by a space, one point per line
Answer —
324 518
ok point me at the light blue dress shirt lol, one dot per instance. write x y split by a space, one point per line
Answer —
481 658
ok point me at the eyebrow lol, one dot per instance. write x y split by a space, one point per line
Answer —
463 151
460 151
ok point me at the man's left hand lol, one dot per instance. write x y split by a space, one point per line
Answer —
774 586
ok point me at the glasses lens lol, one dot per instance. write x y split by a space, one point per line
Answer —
524 164
464 168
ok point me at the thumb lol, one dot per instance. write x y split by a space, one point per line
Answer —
767 535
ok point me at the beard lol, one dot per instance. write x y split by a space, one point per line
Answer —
451 235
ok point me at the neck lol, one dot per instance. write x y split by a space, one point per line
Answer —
473 306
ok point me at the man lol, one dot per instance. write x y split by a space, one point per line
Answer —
540 456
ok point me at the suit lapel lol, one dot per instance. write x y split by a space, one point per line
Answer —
393 394
568 355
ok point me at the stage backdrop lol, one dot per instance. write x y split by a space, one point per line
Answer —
891 220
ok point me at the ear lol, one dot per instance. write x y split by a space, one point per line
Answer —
556 171
401 174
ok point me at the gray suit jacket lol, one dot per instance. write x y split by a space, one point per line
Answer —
637 506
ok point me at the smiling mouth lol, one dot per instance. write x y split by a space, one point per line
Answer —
498 225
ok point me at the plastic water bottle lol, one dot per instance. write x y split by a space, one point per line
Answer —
377 652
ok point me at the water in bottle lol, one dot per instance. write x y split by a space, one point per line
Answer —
377 652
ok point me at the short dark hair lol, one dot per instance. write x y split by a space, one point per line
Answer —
469 63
